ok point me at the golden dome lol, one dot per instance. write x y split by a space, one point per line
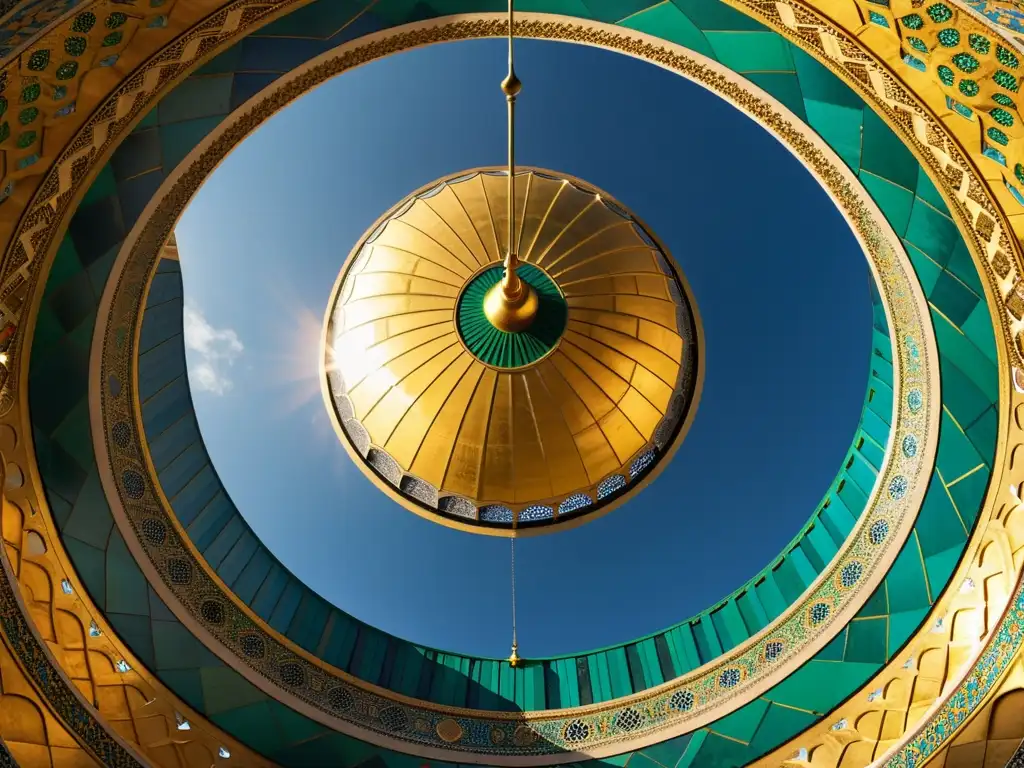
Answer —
509 433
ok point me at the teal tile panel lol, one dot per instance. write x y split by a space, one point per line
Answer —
961 265
618 672
895 201
902 626
927 270
671 24
668 752
926 191
978 328
716 16
789 581
778 720
165 407
270 592
177 140
953 299
755 618
931 232
126 586
804 570
885 156
983 432
160 323
941 565
770 595
600 680
651 666
195 496
751 51
940 526
286 607
968 493
824 548
90 521
852 496
867 641
91 567
803 688
225 540
165 447
238 557
708 644
210 520
341 641
729 624
182 470
838 516
957 455
742 724
905 581
252 575
784 86
310 621
196 97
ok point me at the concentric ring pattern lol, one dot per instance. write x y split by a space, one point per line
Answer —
933 646
573 421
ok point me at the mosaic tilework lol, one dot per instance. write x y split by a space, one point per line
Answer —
28 20
977 70
40 86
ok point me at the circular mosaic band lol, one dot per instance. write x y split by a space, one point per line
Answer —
540 738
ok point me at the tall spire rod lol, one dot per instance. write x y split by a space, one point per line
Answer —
511 304
511 285
514 659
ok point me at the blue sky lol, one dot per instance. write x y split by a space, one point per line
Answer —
779 280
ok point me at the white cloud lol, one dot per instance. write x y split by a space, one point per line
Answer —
215 351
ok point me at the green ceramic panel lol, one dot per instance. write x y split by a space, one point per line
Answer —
866 640
669 23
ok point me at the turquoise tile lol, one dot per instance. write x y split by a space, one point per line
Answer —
751 51
953 299
90 565
884 155
197 97
905 581
90 520
939 525
931 232
668 22
126 586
